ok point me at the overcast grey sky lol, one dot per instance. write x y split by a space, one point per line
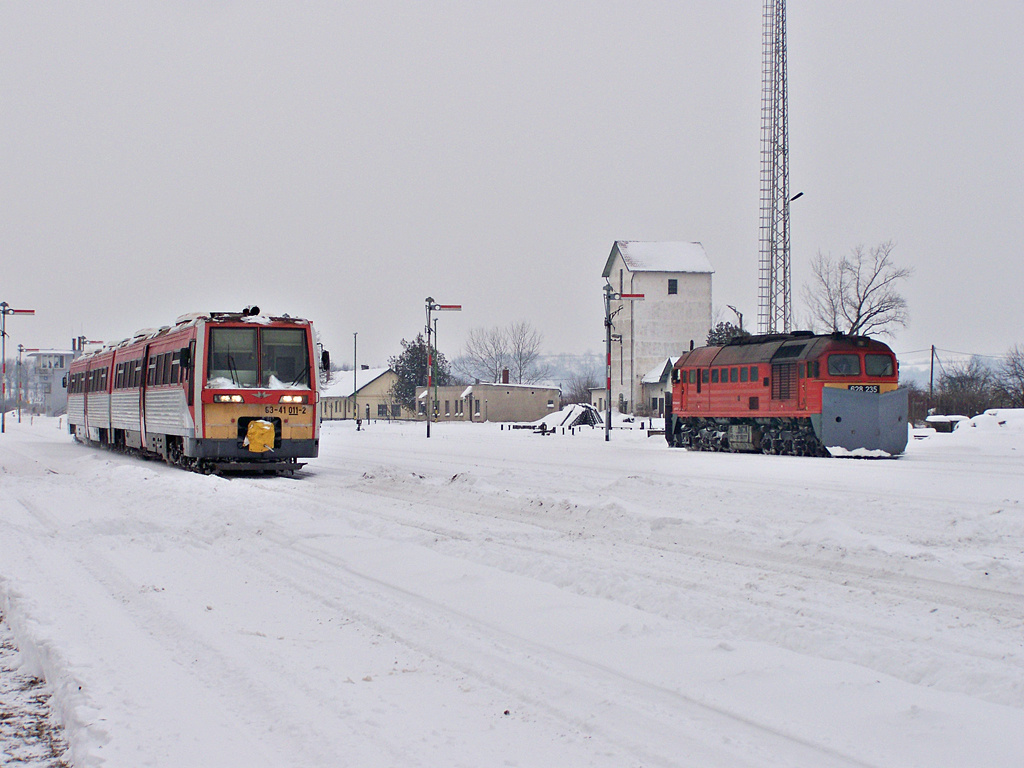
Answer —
342 161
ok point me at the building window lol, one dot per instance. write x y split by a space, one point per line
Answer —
382 411
673 286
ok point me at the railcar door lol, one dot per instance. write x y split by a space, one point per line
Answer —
143 381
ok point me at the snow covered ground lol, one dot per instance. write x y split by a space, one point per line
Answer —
501 598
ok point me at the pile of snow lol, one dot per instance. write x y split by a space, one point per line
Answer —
574 415
1010 419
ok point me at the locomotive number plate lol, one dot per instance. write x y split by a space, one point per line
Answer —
285 410
864 388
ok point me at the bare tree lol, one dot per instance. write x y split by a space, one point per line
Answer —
859 294
1010 378
524 353
486 355
578 386
488 352
966 389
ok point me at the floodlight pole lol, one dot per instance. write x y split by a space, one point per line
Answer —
609 296
5 310
433 307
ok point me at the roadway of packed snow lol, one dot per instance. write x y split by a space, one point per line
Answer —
502 598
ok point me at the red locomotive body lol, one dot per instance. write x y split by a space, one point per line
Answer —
215 392
795 393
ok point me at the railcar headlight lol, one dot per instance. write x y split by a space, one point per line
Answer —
293 398
227 398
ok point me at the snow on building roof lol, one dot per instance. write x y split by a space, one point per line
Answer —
658 373
642 256
341 383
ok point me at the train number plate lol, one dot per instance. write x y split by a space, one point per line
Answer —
285 410
864 388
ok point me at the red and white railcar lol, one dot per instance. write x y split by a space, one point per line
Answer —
217 391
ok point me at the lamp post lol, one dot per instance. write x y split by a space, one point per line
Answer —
432 306
610 295
21 374
738 313
5 310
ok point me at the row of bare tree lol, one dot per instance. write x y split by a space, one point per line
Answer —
489 352
971 387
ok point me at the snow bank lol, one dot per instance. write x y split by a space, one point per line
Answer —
1010 419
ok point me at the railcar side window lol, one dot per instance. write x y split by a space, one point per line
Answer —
878 365
232 360
285 358
693 376
714 375
844 365
753 373
734 375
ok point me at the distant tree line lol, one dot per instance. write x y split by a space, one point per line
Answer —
972 387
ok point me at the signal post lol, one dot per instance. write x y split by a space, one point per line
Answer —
611 295
5 310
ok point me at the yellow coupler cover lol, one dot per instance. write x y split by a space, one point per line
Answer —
260 436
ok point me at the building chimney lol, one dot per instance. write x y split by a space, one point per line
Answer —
504 376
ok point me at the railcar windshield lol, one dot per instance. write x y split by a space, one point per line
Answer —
275 358
232 360
285 359
844 365
878 365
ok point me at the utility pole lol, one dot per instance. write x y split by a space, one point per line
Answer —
355 379
609 296
931 381
5 310
434 307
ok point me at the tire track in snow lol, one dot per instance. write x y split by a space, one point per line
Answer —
998 610
211 666
633 704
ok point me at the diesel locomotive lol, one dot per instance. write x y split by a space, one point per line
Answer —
215 392
796 393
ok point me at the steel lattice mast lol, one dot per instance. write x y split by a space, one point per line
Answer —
775 306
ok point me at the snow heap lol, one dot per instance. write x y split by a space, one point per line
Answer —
575 415
1010 419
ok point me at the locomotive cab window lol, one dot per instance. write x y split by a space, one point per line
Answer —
878 365
844 365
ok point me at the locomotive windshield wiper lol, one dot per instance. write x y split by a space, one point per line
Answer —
233 371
